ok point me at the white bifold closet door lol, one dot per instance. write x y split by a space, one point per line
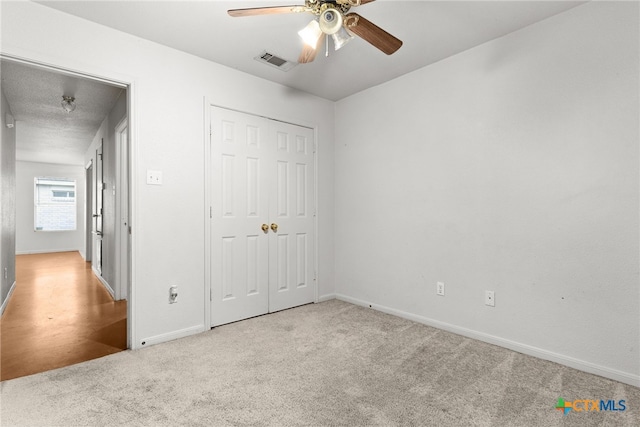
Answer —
262 216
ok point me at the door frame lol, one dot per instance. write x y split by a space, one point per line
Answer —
98 210
207 104
88 212
62 66
122 237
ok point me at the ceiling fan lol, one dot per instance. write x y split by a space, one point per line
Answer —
333 19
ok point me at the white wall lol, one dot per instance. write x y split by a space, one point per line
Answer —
7 203
107 138
511 167
117 113
29 241
167 125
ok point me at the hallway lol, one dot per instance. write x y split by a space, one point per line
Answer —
59 314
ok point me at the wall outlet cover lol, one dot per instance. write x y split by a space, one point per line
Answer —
490 298
154 177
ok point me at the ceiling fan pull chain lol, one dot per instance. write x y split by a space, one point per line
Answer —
326 52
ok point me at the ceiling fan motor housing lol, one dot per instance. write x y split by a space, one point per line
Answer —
330 21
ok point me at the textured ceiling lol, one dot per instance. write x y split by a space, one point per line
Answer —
47 133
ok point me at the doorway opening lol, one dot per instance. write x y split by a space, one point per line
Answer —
92 141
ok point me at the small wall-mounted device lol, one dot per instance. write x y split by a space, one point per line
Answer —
173 294
9 121
154 177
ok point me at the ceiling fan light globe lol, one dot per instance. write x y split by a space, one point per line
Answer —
341 38
330 21
311 34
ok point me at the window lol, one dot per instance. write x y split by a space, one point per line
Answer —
55 204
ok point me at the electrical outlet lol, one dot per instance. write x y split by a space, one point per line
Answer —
440 288
489 298
173 294
154 177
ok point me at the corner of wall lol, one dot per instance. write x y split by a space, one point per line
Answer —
7 202
5 302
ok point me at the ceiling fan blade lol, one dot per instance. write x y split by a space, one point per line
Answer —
308 53
273 10
372 33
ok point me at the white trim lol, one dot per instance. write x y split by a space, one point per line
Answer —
133 213
206 125
26 57
591 368
88 212
46 251
6 300
316 220
157 339
266 116
327 297
104 282
122 245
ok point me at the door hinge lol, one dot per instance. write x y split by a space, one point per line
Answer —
210 212
210 294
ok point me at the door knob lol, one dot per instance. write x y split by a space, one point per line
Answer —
274 227
265 228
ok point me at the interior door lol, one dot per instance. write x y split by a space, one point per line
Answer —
262 216
291 216
123 227
97 214
239 245
89 211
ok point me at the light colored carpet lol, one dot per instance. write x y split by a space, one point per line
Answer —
328 364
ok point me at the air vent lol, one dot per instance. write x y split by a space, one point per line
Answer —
275 61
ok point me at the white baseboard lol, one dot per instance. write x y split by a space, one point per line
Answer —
591 368
46 251
6 300
157 339
106 285
326 297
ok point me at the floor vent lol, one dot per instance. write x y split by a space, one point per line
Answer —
275 61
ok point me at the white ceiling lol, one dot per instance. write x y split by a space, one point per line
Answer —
47 133
430 30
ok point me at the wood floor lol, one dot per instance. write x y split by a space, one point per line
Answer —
59 315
